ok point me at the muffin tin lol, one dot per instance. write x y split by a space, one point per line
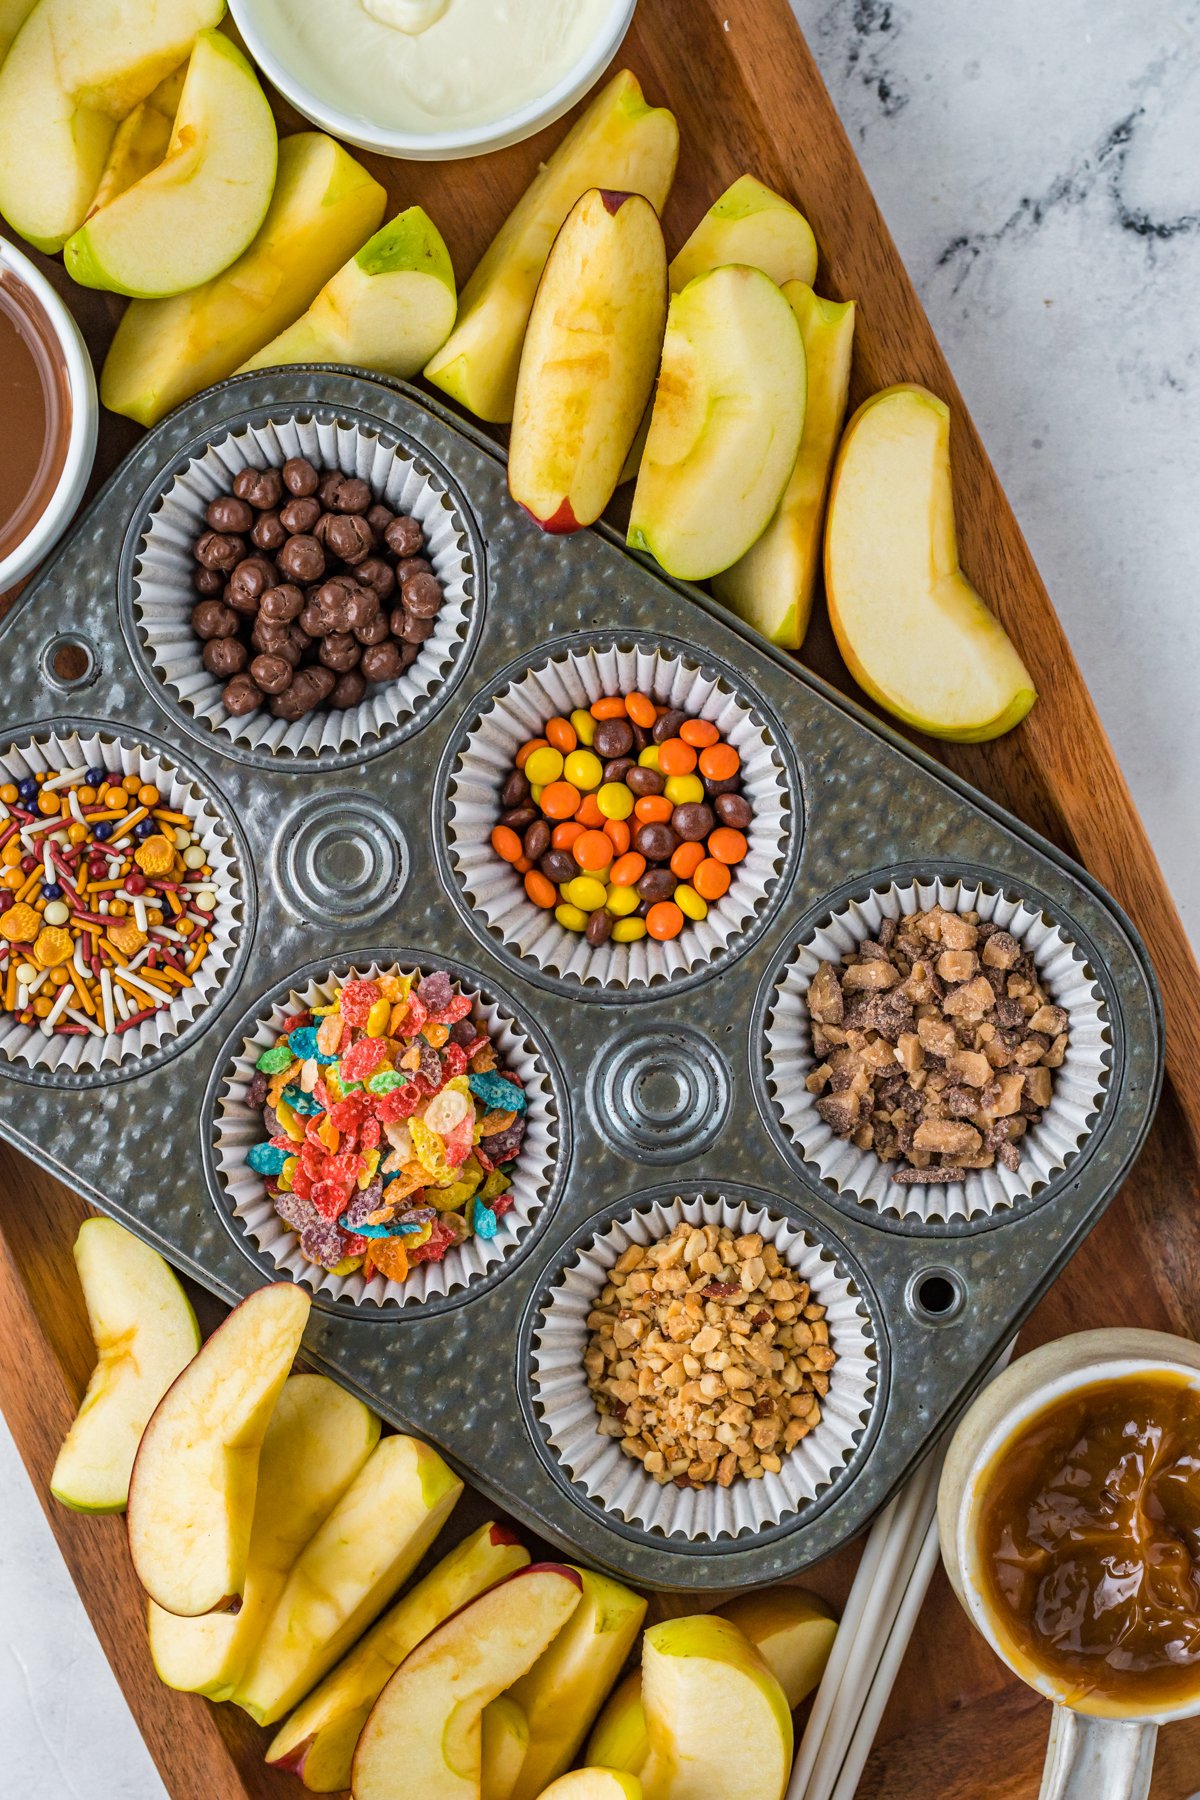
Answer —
659 1087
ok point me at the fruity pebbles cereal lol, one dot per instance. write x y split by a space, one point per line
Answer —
391 1129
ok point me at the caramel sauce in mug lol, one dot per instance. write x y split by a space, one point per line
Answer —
1088 1542
35 412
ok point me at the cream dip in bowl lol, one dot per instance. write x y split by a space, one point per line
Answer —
433 79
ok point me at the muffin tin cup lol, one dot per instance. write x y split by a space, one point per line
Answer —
569 1417
163 595
100 1051
235 1127
1078 1085
519 711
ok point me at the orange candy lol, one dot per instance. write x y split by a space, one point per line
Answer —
699 733
589 813
618 834
676 758
627 870
561 733
526 751
592 851
641 710
542 892
564 835
687 860
719 762
612 706
653 809
726 844
664 920
522 864
506 843
710 879
559 800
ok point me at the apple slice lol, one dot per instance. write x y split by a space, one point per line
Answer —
749 224
71 75
619 1738
192 215
566 1687
620 143
726 424
317 1742
318 1439
13 14
348 1571
388 308
590 356
191 1499
771 587
323 207
594 1784
141 140
913 631
719 1724
503 1747
145 1333
424 1734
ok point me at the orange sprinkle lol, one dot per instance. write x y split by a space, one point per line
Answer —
618 834
564 835
592 851
641 710
506 843
653 809
676 758
687 860
720 762
562 734
726 844
527 750
543 893
699 733
664 920
627 871
711 879
612 706
559 800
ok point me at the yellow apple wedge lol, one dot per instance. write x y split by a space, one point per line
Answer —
728 412
771 587
750 224
318 1439
348 1571
324 206
914 633
192 214
424 1734
145 1333
619 1737
619 142
191 1498
71 75
141 140
317 1742
503 1746
13 14
708 1692
594 1784
589 361
564 1690
792 1630
387 309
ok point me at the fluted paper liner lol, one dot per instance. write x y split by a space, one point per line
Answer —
617 1482
54 755
1077 1086
163 595
238 1126
558 685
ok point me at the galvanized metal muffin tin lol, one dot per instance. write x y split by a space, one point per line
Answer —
653 1087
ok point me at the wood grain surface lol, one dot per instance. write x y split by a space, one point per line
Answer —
748 97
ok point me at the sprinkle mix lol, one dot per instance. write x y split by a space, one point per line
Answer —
106 902
391 1128
626 819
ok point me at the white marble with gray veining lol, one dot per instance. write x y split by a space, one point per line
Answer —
1038 162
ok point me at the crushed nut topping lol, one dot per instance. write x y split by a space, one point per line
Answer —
708 1357
935 1045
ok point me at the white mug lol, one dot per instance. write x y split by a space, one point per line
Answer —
1099 1749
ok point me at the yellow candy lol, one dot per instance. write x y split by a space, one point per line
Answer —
615 800
9 795
649 757
20 924
543 766
53 946
10 856
586 892
681 790
622 900
628 931
535 788
584 770
573 918
585 730
689 902
379 1017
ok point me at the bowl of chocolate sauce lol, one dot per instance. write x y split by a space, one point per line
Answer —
48 416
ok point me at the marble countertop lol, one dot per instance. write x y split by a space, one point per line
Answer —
1037 165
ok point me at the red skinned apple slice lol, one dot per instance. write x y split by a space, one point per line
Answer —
191 1498
424 1734
590 356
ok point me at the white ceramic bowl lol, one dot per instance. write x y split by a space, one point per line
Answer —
81 442
444 146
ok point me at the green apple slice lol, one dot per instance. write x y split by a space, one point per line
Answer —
145 1333
318 1439
725 429
718 1722
193 214
749 224
388 309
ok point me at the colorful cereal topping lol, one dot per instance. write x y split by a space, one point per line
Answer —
391 1128
107 902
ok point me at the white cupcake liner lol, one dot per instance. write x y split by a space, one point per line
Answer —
1077 1086
54 754
618 1482
163 595
557 686
237 1126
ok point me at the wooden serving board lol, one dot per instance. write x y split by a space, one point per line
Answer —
748 97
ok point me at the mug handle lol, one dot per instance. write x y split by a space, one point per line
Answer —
1097 1759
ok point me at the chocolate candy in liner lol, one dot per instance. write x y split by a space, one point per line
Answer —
229 514
262 488
299 476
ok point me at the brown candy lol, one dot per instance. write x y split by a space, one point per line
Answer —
207 581
348 690
271 673
350 537
409 654
655 841
404 536
598 928
344 493
642 781
374 631
614 737
377 575
301 559
516 789
241 696
381 662
412 630
308 689
271 639
333 600
518 817
262 488
269 532
537 839
340 651
422 595
668 725
558 866
282 604
656 884
218 550
228 513
733 809
224 656
300 477
249 582
213 619
379 517
619 770
310 620
300 515
692 821
730 785
408 566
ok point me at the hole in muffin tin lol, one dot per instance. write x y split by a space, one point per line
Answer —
935 1296
156 595
70 662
